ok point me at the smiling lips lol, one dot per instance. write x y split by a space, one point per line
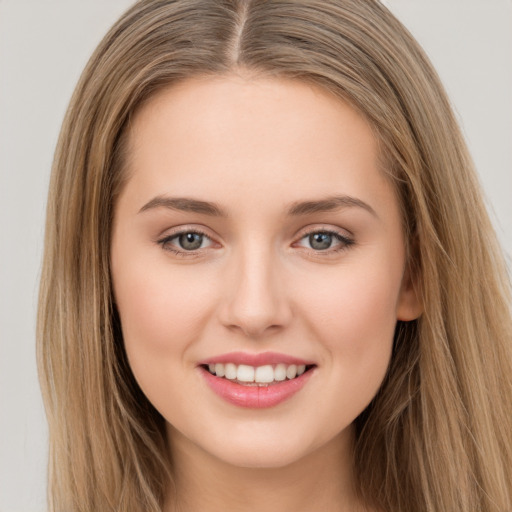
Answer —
256 380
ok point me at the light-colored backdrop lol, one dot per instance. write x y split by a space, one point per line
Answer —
44 45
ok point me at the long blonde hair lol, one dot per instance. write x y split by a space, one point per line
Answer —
438 436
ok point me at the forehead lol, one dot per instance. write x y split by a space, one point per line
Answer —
277 109
252 139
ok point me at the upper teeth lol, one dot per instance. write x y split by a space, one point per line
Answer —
259 374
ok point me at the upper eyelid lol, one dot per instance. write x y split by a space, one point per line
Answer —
171 236
173 232
308 230
303 231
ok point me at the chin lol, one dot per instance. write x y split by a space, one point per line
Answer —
269 448
255 457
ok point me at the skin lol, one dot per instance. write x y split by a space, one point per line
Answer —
254 147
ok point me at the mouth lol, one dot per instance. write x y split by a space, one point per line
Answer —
261 376
256 381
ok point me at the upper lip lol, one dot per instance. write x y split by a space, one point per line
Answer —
261 359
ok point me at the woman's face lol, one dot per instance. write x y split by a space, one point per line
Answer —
256 236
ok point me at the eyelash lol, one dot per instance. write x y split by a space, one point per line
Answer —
344 242
165 242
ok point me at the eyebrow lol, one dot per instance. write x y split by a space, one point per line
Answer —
297 209
185 204
328 204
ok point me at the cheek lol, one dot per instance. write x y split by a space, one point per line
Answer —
358 305
355 322
161 313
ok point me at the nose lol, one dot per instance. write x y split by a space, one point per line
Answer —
254 296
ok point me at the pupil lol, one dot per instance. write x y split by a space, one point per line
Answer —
320 241
191 241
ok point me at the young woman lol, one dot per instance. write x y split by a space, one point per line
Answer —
270 282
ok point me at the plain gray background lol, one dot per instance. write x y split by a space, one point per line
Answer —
44 45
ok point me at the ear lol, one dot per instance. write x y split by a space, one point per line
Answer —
409 306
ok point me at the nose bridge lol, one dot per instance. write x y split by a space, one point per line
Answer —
255 299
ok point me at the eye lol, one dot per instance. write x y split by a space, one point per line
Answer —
190 241
328 241
185 242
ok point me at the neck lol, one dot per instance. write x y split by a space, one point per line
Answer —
322 480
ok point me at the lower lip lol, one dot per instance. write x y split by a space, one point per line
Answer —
255 397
